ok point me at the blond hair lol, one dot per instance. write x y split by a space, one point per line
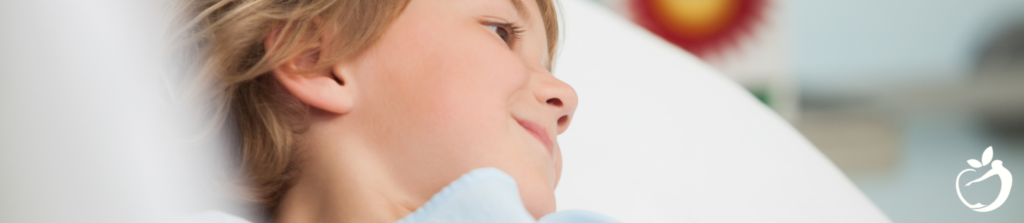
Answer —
230 36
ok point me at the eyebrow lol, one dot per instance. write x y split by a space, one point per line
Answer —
521 9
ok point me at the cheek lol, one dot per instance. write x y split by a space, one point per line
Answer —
465 71
454 81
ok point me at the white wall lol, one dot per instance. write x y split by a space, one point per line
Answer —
856 46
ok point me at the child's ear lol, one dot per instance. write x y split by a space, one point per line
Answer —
324 89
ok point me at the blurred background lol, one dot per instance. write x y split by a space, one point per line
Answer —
897 93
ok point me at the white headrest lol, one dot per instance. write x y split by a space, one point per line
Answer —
661 137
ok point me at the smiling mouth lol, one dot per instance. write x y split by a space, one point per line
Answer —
540 133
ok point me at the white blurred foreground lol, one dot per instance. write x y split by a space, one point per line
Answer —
87 132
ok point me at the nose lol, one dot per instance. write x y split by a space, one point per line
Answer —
558 97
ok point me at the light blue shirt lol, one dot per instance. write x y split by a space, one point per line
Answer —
489 195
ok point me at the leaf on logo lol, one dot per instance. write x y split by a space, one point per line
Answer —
974 163
986 156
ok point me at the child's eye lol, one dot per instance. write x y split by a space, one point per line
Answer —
508 32
501 32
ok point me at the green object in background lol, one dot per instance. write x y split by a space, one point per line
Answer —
762 95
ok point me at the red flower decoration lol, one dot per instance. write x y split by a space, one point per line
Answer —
699 26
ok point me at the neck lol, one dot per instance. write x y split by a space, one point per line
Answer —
346 183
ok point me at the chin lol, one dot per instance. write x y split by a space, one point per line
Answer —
538 195
539 206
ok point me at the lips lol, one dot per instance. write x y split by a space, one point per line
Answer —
540 133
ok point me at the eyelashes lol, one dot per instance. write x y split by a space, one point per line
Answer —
508 32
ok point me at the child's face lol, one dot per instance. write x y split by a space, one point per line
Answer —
450 87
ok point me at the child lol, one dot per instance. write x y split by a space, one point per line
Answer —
388 110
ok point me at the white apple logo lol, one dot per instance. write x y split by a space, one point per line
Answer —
997 170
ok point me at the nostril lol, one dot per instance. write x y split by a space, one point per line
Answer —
562 120
336 79
555 101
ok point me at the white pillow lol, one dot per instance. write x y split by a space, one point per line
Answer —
659 136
